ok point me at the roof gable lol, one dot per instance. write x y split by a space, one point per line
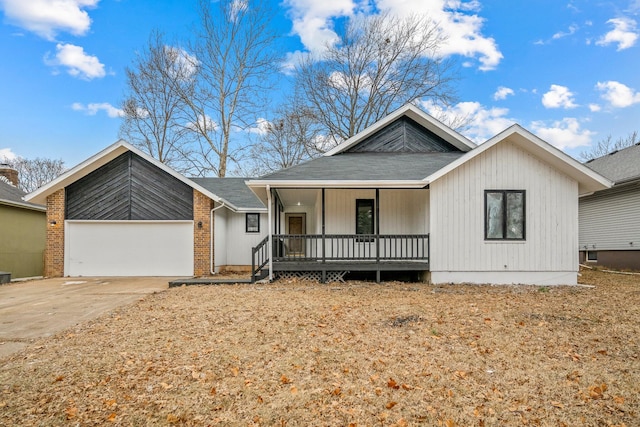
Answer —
404 135
104 157
429 125
588 180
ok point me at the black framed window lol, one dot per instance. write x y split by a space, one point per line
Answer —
504 215
365 217
592 256
252 223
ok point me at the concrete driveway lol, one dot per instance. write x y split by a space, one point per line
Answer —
40 308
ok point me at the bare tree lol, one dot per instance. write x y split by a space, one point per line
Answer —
152 106
607 145
286 141
34 173
235 57
378 64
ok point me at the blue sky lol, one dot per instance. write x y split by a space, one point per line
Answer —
569 71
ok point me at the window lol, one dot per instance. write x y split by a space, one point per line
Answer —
252 222
504 215
364 216
592 256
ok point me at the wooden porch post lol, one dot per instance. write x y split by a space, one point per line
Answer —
377 235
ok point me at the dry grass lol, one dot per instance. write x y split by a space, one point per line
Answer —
294 353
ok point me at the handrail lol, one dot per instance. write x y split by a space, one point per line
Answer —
258 262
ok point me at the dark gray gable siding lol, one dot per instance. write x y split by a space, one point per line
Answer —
129 188
403 136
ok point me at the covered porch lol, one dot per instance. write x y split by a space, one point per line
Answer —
327 232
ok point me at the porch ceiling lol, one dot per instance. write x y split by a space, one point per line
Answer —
298 197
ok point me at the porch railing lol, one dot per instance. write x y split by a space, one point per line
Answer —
259 259
349 247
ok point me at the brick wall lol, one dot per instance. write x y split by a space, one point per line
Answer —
54 248
202 206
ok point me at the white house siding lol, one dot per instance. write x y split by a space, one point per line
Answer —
610 220
401 211
459 252
239 243
220 238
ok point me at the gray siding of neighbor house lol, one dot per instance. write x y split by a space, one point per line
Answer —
403 136
610 219
129 188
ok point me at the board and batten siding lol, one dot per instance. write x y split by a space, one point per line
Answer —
238 244
610 219
459 252
401 211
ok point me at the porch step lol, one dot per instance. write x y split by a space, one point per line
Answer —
207 281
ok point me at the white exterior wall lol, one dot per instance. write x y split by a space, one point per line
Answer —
459 252
238 242
220 238
401 211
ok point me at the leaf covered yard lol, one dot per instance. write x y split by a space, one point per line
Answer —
353 354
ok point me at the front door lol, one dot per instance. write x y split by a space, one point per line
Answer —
296 225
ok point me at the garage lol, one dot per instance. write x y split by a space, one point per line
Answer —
129 248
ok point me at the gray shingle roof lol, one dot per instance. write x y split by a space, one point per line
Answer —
368 167
619 166
11 194
233 190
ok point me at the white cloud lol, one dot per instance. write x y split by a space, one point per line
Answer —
624 33
502 93
594 108
6 155
93 108
48 17
617 94
204 123
558 97
261 127
560 34
563 134
78 63
481 123
313 21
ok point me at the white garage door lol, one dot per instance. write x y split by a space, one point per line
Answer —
129 248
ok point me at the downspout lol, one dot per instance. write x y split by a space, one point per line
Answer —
270 233
211 258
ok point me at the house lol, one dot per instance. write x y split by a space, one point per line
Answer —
610 218
22 229
407 194
410 194
123 213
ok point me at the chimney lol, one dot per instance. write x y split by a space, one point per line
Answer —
8 172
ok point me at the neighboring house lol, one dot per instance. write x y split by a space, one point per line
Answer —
610 218
408 194
22 229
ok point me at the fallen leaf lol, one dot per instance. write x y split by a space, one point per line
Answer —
337 392
619 400
235 370
557 405
71 412
294 389
172 419
450 423
284 380
213 391
390 405
392 384
112 417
